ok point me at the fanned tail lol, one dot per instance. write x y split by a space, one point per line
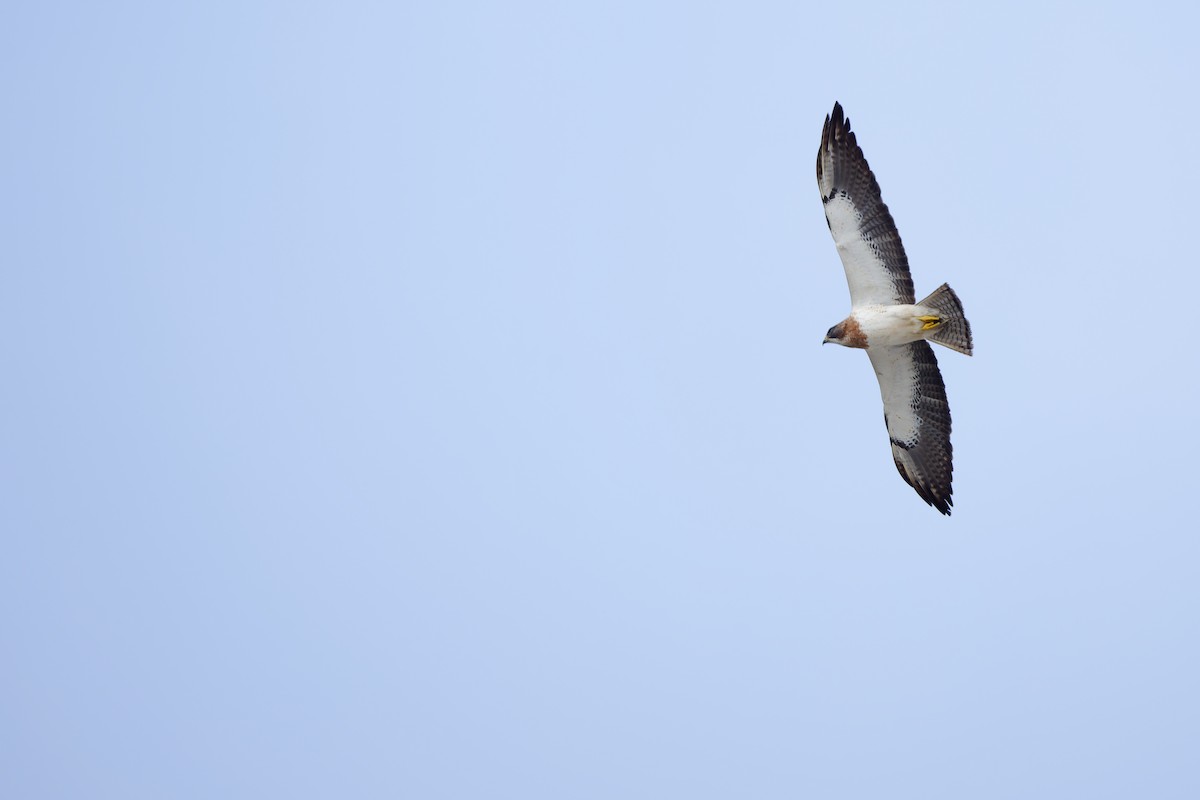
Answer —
953 330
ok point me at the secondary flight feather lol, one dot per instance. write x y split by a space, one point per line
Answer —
884 319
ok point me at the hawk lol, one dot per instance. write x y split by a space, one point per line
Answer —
884 318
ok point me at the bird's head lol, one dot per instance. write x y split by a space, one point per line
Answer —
847 333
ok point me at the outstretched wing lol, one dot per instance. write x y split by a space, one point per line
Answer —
862 227
918 418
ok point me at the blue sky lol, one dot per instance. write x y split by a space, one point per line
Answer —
428 401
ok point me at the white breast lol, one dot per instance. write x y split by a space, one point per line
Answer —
889 325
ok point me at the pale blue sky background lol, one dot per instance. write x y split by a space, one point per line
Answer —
427 401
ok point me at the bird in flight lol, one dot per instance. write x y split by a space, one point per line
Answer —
884 318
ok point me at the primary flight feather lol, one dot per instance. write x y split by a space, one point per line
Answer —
884 319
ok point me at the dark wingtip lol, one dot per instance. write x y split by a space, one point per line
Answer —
840 120
942 504
931 497
923 491
837 127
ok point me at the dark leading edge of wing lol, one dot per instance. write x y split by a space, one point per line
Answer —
927 463
841 167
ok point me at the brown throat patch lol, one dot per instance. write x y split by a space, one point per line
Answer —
852 334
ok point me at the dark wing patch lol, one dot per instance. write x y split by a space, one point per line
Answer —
867 239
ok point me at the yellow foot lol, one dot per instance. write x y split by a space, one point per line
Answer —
930 322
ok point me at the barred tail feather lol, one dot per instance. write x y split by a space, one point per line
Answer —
954 331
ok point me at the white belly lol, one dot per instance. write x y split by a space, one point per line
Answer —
890 325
